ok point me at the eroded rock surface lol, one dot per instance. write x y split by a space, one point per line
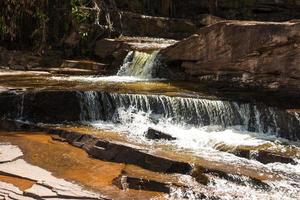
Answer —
239 54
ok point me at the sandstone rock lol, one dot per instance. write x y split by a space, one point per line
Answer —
45 185
9 153
158 135
239 54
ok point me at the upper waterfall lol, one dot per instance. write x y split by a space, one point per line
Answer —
139 64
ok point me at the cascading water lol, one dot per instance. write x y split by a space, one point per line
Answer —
89 106
139 64
191 112
207 127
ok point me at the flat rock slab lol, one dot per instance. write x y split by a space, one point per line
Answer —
9 153
46 184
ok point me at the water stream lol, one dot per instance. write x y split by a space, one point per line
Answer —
208 128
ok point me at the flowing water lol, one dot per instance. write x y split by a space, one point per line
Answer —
137 66
202 127
212 129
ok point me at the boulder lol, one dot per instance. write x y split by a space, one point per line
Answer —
153 134
239 54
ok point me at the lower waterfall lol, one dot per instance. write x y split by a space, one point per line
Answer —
190 112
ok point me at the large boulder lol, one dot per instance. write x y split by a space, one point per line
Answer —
239 53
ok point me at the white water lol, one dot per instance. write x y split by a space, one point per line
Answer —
205 142
228 130
139 64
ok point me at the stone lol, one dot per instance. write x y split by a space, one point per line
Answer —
131 154
127 182
46 182
266 157
9 153
153 134
239 54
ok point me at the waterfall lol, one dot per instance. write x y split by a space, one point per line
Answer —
89 106
139 64
190 111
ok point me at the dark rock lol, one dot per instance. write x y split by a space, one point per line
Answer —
158 135
266 10
57 138
134 24
127 182
130 154
266 157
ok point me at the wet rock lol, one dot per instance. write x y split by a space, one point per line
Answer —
153 134
127 182
119 152
47 106
238 179
46 185
266 157
198 174
130 154
266 56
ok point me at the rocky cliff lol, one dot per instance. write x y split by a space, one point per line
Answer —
239 53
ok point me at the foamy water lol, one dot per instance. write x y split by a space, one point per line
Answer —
205 142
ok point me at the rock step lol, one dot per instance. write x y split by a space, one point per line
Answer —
122 153
84 64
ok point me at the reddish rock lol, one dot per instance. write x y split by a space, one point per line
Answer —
239 53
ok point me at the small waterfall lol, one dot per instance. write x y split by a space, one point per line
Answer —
190 111
139 64
92 106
